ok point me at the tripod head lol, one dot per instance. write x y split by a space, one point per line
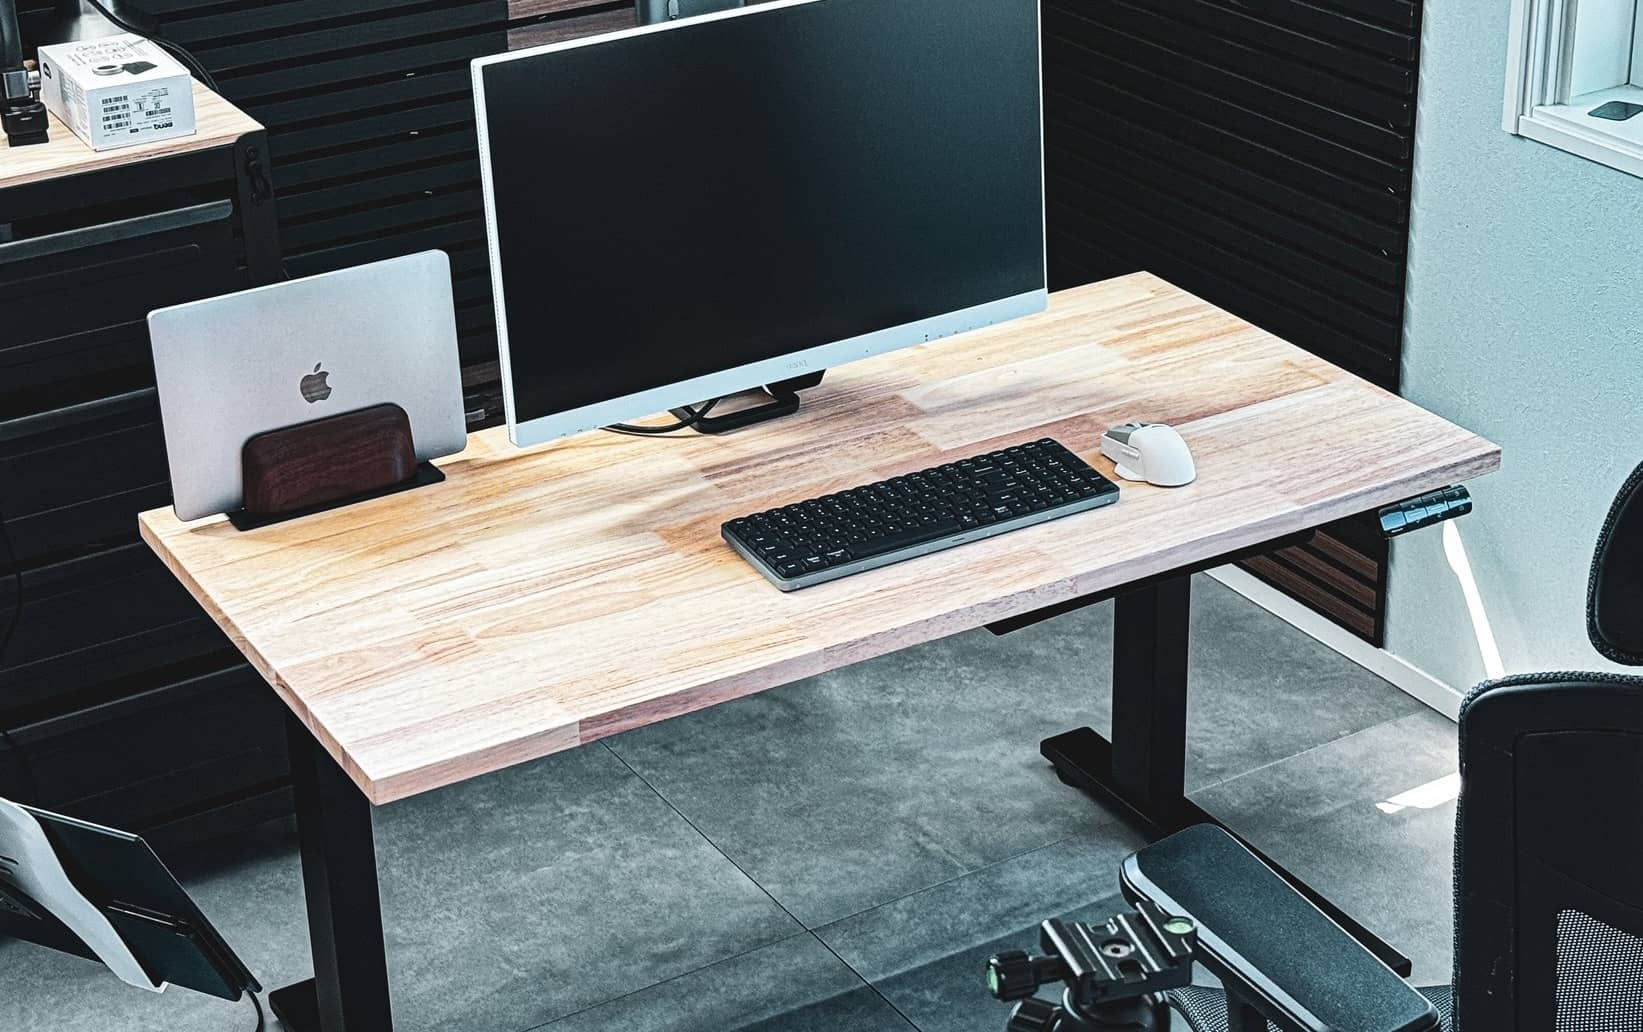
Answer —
1112 973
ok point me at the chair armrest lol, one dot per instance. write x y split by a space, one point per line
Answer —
1269 946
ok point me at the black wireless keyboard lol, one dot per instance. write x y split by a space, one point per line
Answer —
836 535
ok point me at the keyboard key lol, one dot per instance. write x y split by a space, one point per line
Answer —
895 542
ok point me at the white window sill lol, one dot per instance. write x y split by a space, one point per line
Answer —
1571 127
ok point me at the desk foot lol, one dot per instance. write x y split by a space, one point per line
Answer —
296 1006
1083 760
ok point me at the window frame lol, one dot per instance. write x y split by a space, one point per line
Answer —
1540 61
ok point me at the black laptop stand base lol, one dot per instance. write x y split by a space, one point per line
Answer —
426 473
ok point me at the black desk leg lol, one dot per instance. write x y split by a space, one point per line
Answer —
349 990
1141 773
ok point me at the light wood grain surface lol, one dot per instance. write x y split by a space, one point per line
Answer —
542 599
217 123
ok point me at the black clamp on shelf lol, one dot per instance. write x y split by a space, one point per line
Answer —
328 463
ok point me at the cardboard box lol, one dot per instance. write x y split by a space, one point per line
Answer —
117 91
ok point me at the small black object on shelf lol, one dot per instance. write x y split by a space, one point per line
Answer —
25 123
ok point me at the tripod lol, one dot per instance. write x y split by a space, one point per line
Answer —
1112 973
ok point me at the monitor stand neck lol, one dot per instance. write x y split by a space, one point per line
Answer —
784 401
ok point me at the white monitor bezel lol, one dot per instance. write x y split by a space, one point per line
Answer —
748 376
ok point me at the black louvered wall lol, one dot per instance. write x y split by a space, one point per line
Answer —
1257 153
369 109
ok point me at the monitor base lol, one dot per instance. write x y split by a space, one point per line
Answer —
784 401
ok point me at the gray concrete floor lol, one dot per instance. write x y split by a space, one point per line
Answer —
839 854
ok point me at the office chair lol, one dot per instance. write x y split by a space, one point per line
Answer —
1548 864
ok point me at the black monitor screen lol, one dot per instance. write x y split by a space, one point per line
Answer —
677 203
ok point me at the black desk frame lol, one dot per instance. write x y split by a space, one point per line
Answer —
1141 772
349 990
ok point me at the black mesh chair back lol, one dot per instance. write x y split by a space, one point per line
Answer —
1549 842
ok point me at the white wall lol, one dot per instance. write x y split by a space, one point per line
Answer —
1525 324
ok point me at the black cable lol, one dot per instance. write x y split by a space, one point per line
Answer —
693 416
262 1022
199 70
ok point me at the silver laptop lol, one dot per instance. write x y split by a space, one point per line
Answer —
234 366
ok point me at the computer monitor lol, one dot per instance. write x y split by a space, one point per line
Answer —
687 210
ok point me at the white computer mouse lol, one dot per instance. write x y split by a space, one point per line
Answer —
1149 451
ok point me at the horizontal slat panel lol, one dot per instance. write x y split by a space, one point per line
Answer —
291 49
1201 270
1353 22
445 237
371 65
78 476
1237 22
157 753
366 100
1111 59
215 24
299 205
1298 91
1277 571
408 123
368 223
375 157
1287 241
83 621
1350 210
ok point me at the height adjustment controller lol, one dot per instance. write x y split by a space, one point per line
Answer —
1428 509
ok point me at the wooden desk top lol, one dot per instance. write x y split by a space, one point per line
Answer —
542 599
217 122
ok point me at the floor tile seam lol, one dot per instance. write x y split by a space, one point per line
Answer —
936 885
1309 750
864 981
705 837
668 980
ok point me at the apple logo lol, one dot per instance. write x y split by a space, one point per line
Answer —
314 385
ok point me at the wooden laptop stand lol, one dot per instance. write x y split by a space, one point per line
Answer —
328 463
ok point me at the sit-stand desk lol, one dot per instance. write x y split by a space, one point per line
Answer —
540 600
